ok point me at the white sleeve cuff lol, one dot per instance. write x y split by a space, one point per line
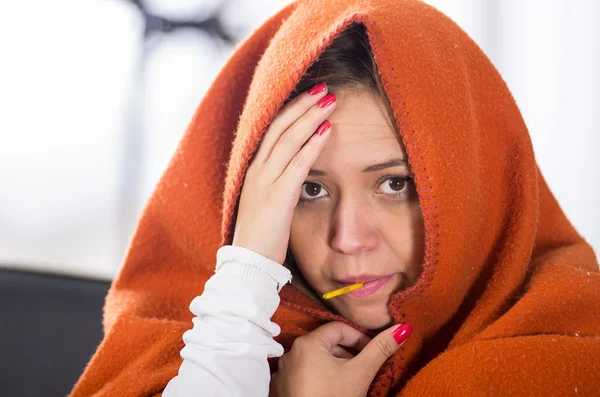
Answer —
249 265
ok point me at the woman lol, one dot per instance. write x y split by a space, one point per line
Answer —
376 237
502 293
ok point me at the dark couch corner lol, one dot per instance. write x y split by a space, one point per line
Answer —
50 327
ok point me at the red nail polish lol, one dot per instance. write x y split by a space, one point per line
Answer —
326 101
323 127
402 333
317 89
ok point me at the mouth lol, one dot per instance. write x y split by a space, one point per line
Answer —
372 284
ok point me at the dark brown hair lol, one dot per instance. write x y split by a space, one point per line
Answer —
347 63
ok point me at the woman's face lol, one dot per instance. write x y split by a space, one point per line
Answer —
358 218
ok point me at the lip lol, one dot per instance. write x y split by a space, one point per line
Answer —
372 284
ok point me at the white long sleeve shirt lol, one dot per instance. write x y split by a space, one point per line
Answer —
226 351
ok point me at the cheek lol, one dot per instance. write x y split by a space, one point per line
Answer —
404 232
308 240
417 231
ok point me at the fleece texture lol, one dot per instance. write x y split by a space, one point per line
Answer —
508 303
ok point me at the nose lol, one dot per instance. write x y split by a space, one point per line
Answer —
354 230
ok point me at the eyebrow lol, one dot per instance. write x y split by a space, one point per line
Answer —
375 167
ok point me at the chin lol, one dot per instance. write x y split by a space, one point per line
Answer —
369 319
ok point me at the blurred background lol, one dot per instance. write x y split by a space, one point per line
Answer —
95 95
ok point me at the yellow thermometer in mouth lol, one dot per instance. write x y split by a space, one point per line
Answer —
341 291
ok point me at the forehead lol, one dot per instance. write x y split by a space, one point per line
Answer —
362 130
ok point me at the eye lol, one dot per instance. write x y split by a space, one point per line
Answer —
311 191
395 185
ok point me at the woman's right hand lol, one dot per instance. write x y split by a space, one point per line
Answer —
274 179
319 364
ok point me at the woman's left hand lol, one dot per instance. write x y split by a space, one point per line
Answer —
318 365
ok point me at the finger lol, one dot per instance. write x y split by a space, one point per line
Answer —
297 170
337 333
340 352
273 385
286 117
292 140
372 357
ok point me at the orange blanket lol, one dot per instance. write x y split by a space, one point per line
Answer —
508 303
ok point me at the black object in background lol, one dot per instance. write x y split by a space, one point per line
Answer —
50 327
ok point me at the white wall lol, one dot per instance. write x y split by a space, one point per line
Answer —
86 127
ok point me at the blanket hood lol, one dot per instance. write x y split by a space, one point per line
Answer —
501 259
488 213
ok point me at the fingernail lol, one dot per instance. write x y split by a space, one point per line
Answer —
402 333
323 127
326 101
317 89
